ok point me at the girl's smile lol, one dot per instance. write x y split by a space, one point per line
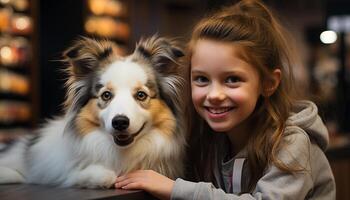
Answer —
218 113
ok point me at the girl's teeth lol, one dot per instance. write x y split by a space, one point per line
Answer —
218 110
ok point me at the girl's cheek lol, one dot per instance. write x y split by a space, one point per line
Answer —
238 96
198 94
244 98
198 99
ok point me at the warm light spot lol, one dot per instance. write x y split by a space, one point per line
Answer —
90 26
22 23
6 53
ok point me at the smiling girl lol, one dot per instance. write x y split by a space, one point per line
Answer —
250 138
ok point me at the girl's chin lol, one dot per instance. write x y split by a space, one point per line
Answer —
220 127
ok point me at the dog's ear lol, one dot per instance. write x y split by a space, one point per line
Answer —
165 57
161 52
85 54
84 58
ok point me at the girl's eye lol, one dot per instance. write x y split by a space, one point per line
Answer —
200 79
106 96
233 79
141 96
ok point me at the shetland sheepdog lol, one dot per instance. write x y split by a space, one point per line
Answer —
122 113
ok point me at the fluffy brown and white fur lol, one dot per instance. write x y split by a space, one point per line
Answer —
122 114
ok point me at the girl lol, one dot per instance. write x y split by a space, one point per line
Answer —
250 138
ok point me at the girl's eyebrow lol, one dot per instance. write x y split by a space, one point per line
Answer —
197 71
235 72
231 71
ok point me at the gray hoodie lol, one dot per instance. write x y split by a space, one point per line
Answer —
306 140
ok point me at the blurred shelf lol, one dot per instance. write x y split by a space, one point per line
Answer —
18 64
109 19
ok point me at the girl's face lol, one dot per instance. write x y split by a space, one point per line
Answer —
225 88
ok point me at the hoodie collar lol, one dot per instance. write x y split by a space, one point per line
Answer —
305 115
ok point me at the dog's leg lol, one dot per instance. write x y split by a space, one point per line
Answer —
93 176
8 175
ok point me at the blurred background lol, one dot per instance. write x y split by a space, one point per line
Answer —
33 35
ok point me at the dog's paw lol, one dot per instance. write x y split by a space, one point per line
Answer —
8 175
94 176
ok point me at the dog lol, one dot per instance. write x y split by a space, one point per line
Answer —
122 113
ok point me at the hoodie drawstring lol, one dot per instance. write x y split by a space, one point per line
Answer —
237 175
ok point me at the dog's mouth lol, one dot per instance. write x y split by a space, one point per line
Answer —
124 139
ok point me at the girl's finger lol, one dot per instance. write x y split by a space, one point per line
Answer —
127 181
126 176
138 173
123 183
134 185
120 178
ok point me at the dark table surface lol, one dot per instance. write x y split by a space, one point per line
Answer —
38 192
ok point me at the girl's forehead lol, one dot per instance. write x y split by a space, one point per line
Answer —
215 55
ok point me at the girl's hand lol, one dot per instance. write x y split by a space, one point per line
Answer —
156 184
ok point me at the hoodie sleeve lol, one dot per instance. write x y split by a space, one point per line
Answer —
266 189
185 190
275 184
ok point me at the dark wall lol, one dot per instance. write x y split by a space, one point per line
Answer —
60 22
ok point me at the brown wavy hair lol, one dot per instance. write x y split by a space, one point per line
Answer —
252 27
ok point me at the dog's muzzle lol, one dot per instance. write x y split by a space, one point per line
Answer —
121 137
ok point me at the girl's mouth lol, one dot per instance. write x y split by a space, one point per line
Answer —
218 113
220 110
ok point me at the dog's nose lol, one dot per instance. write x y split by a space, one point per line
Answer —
120 122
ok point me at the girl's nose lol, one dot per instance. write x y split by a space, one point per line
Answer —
216 94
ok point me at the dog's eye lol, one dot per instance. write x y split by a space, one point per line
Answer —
106 96
141 96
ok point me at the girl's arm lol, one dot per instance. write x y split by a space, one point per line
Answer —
163 187
282 186
315 181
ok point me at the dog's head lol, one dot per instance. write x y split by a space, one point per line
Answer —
123 96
